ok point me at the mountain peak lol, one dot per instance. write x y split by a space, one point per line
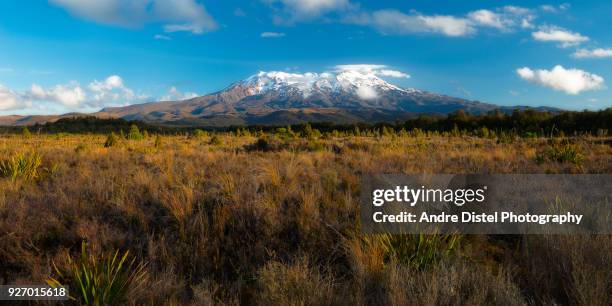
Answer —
362 81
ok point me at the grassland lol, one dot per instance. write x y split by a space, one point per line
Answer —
220 219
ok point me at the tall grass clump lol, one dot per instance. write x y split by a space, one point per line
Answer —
215 140
134 133
294 284
111 140
21 165
158 141
199 133
26 132
111 280
419 251
561 153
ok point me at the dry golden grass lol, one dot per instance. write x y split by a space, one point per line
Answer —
221 222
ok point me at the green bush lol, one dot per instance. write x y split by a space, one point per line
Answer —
111 141
110 280
419 250
266 144
26 132
215 140
24 166
134 133
561 153
198 133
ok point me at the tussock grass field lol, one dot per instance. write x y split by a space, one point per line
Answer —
245 219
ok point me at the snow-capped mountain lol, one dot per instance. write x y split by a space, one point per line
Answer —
366 85
347 94
350 93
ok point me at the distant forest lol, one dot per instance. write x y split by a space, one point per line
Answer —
520 122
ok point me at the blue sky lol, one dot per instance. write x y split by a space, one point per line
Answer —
59 56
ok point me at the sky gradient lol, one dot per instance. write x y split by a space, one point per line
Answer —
61 56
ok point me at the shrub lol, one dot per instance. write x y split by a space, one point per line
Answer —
215 140
80 148
134 133
111 141
295 284
158 141
311 133
419 250
265 144
198 133
21 166
561 153
285 133
450 283
26 132
101 281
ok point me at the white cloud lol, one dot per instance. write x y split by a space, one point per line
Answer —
396 22
175 95
521 16
393 73
272 35
298 10
71 96
595 53
526 23
162 37
367 93
177 15
488 18
110 91
185 15
505 18
390 21
555 9
9 99
570 81
377 70
560 35
448 25
517 10
548 8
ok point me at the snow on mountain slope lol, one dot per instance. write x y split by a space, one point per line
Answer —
362 81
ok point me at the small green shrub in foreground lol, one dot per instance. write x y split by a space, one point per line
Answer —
135 133
101 281
561 153
215 140
24 166
111 141
26 132
198 133
158 141
419 250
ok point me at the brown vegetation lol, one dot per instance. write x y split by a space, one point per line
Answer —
273 220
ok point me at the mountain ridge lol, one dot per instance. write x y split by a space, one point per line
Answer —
278 98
